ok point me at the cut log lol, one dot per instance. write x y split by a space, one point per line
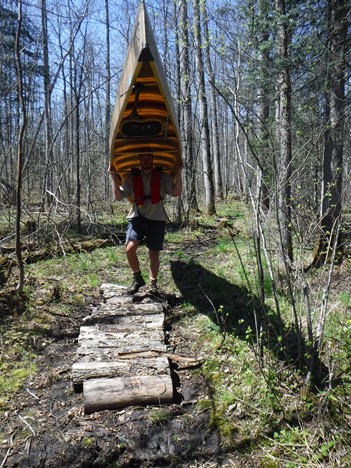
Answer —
82 371
119 300
103 394
128 309
110 288
124 323
95 337
98 352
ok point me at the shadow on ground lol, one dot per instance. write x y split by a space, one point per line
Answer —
235 310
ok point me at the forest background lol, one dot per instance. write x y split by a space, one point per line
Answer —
262 90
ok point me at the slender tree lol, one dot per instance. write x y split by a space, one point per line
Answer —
48 179
205 148
265 168
218 183
20 146
108 91
186 108
337 47
284 132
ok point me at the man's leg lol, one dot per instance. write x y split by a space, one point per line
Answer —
132 257
138 281
154 257
155 237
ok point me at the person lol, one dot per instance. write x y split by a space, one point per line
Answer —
146 187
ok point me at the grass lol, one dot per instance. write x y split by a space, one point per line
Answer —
17 362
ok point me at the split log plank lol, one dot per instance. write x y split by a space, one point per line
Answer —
111 288
116 292
124 323
102 394
108 353
82 371
93 336
128 309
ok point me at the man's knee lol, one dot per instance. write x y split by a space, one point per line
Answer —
131 247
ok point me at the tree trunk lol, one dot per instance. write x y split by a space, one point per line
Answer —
186 107
178 216
108 96
218 183
204 127
263 107
284 125
332 182
20 150
48 182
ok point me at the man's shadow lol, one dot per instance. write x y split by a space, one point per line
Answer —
234 309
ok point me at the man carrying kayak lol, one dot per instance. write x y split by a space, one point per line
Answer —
146 188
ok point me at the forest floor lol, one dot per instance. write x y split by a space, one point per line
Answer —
43 422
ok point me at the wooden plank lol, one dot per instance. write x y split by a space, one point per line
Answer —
119 392
134 322
116 293
127 309
112 287
95 337
82 371
109 353
128 326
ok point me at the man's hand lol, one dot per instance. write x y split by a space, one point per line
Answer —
116 181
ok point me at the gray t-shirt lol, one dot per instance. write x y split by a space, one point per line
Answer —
148 210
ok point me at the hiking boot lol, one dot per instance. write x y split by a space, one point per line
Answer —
138 282
153 286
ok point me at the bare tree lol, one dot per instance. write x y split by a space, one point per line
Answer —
20 153
218 183
284 127
48 182
332 181
204 125
186 108
108 90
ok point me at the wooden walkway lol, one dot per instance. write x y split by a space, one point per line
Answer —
122 356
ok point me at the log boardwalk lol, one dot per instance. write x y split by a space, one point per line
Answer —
122 356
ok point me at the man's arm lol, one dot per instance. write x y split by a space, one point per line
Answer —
117 192
178 185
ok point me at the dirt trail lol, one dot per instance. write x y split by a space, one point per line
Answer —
46 425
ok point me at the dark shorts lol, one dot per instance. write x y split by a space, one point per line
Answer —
153 232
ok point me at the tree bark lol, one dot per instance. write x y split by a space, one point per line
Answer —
100 394
186 110
204 127
332 181
263 106
20 151
218 182
48 181
284 126
108 94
